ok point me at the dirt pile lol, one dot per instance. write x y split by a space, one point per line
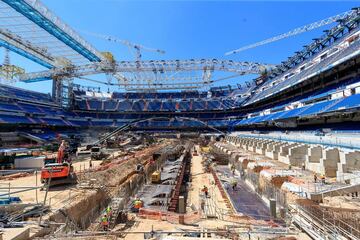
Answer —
112 174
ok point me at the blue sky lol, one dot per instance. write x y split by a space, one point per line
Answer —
193 29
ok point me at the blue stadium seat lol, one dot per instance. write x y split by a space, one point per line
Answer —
213 105
154 105
168 106
316 108
110 105
9 107
14 119
138 105
125 105
184 105
350 102
198 105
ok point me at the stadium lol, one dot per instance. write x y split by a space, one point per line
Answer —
177 148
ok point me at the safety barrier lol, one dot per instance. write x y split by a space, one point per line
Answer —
171 217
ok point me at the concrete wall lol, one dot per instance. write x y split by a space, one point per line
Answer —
30 162
294 154
348 166
329 162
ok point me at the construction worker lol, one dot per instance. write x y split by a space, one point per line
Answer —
315 178
109 211
137 205
105 222
61 151
206 191
233 169
322 178
234 184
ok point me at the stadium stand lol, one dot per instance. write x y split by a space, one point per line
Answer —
324 85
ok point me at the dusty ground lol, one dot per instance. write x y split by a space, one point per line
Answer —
56 197
199 179
110 175
68 196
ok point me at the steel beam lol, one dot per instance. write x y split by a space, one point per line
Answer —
16 44
159 66
44 18
24 53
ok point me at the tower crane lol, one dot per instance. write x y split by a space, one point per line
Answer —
299 30
7 70
137 47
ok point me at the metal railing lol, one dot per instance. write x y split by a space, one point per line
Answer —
308 139
330 224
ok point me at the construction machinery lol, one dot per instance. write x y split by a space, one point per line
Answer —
97 153
139 168
58 174
7 161
7 70
156 177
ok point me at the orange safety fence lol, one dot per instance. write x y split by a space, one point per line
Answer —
169 216
296 180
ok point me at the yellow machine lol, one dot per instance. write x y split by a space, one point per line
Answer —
205 149
156 177
109 56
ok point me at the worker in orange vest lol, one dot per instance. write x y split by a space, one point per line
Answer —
322 177
105 222
137 205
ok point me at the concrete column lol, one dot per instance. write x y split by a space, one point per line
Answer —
349 161
273 150
296 155
329 162
261 148
252 145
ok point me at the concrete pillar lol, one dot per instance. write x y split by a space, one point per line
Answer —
349 161
261 147
329 162
273 150
182 205
296 154
273 208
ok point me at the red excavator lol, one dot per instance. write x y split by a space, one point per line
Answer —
58 174
61 172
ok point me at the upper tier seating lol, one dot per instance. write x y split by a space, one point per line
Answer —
154 105
327 106
18 93
323 65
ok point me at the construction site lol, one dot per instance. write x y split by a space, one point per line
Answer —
177 188
178 149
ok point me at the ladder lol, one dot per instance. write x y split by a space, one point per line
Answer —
115 208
